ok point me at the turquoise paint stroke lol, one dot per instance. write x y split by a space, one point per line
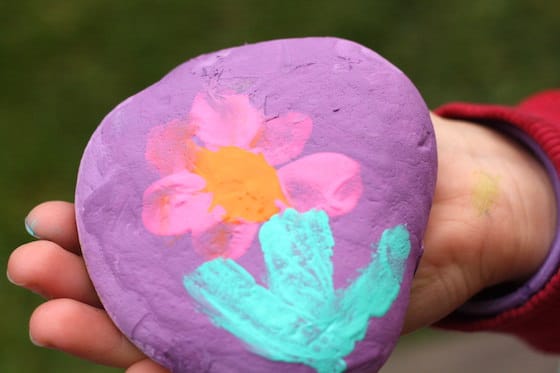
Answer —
301 317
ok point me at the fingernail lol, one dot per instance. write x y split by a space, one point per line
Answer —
29 227
34 290
34 341
11 280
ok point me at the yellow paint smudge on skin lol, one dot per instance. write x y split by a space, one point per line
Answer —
485 191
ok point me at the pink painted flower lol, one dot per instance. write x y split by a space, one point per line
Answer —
227 169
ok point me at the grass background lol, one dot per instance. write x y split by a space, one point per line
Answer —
65 64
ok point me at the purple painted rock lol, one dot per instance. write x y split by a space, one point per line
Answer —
261 209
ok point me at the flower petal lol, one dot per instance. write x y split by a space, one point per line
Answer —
284 137
227 240
228 120
325 181
174 205
170 147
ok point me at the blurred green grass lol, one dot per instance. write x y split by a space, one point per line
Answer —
64 65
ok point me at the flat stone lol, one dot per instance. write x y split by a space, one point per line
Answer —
261 209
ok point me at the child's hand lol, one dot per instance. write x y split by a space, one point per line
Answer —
493 220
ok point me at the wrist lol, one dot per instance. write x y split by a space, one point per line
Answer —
533 203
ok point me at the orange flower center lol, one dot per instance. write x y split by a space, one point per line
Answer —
241 182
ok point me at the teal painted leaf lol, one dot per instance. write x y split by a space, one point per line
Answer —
300 317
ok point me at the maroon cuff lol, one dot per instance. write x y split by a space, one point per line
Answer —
529 310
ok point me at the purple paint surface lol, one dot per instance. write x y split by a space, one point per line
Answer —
361 106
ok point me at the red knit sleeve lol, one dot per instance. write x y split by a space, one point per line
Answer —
535 319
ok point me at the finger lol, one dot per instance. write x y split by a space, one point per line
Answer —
54 221
146 366
47 269
82 331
